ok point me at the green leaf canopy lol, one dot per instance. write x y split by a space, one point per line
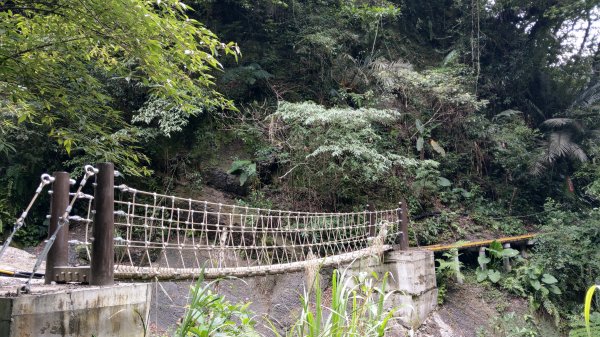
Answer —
58 60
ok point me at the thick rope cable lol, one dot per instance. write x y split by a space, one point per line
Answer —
46 179
125 188
146 273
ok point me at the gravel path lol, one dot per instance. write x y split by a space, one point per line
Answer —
15 259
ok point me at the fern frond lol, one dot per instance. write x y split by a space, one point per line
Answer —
589 97
539 166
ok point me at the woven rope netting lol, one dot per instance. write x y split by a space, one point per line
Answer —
168 237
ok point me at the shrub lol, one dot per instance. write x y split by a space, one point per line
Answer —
209 315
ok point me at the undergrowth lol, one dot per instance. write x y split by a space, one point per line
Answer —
358 308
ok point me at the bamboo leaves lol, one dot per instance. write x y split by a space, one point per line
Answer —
60 62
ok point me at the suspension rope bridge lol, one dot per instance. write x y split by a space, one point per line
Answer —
160 236
167 237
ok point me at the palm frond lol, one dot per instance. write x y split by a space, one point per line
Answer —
560 145
563 121
589 97
539 166
536 109
507 113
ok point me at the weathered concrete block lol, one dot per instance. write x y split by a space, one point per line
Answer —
67 310
412 282
413 309
412 271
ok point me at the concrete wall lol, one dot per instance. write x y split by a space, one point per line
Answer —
67 310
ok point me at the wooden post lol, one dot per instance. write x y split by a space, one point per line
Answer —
371 221
483 266
102 263
58 255
506 260
524 251
403 209
459 275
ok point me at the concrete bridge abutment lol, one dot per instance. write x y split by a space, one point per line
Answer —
70 311
411 284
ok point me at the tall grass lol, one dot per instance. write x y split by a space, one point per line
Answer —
356 309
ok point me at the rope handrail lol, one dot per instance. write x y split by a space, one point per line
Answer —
313 215
271 212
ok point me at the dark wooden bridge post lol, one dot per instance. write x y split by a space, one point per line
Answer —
102 264
58 255
403 210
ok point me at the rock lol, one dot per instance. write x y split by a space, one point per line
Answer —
225 182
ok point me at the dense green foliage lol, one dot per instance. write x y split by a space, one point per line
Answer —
74 75
476 112
59 60
569 250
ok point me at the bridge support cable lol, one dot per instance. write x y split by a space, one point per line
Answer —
63 220
46 179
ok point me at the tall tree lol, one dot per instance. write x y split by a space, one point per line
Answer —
59 60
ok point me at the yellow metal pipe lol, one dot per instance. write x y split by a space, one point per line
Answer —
438 248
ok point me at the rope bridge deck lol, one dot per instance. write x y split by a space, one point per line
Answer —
126 272
169 237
